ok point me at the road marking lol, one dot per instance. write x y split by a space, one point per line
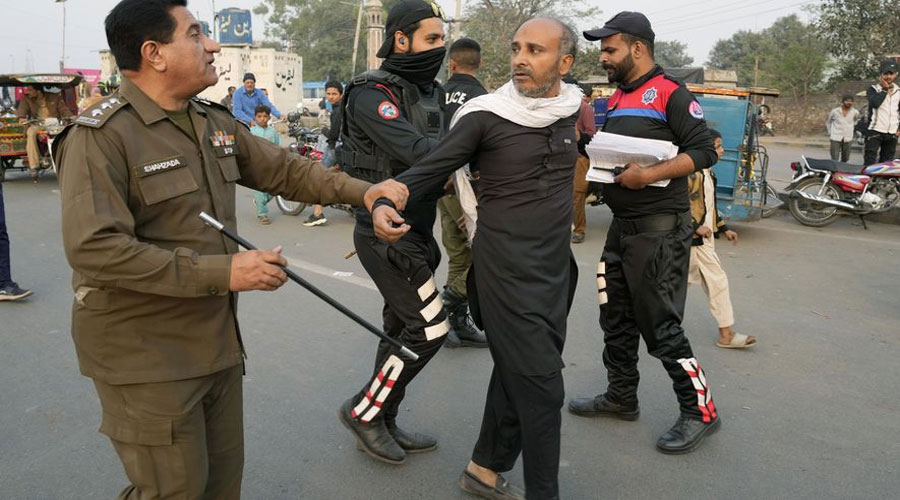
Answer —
298 263
824 233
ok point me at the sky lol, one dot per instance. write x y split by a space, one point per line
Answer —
31 38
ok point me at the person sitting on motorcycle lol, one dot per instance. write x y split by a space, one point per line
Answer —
38 105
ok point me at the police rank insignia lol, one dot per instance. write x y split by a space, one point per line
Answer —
223 144
221 139
649 96
387 110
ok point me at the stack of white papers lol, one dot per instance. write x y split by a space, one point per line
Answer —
609 151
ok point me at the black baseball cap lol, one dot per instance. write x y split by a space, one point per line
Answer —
403 14
888 66
631 23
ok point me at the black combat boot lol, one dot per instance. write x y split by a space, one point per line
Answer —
600 406
463 332
411 442
686 435
372 437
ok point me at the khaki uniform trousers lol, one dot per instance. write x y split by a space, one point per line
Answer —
31 147
453 236
182 439
580 193
706 269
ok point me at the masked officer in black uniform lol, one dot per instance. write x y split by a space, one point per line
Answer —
642 276
393 117
464 60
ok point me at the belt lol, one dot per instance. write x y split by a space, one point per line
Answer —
651 223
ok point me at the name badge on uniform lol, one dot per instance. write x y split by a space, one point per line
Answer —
223 144
159 166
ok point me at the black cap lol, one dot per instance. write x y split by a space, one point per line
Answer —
632 23
888 66
249 76
403 14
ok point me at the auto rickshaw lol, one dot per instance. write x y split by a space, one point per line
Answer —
13 154
742 191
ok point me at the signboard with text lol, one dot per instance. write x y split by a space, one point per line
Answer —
235 26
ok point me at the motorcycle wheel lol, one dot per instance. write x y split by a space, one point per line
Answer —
288 207
771 193
810 213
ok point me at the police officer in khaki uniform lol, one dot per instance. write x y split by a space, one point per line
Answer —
154 319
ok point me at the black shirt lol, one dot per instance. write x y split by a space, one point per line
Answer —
521 253
657 107
460 88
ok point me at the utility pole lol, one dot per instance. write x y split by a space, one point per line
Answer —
62 58
356 39
756 71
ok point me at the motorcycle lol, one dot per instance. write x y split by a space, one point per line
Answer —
823 189
766 127
304 144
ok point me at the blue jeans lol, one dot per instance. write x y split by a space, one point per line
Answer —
262 203
5 276
328 157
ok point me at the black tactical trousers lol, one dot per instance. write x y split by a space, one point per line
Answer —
879 147
413 314
522 415
642 283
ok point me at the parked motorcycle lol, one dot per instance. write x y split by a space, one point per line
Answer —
823 189
304 144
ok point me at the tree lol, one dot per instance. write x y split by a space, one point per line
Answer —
672 54
740 53
320 31
789 55
858 34
493 23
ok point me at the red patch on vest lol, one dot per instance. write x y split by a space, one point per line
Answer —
387 110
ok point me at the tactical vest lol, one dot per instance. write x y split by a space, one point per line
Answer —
363 158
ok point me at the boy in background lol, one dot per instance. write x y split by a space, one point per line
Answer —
705 267
262 115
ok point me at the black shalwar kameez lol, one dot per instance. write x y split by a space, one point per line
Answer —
524 277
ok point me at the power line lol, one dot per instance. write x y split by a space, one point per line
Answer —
716 10
707 22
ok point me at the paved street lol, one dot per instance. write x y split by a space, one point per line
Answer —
812 412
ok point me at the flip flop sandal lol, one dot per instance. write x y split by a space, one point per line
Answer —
738 341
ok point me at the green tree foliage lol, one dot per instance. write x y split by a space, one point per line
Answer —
672 54
859 33
321 31
790 55
493 23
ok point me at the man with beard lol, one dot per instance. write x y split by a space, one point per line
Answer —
522 141
393 117
642 276
154 315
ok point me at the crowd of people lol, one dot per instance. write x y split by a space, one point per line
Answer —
407 148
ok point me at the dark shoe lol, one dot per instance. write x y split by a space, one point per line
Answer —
501 491
13 292
577 238
315 220
373 438
686 435
463 332
599 406
411 442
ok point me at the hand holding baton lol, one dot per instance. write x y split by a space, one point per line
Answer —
405 351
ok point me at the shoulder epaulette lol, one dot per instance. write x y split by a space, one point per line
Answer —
207 102
98 114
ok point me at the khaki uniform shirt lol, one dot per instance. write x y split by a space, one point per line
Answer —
47 106
151 279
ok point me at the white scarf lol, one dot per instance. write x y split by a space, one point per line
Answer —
507 103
